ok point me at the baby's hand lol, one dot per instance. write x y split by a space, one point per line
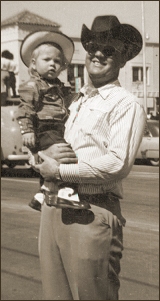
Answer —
28 139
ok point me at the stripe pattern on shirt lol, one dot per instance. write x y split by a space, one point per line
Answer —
105 131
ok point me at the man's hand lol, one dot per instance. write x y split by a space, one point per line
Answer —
62 153
48 168
28 139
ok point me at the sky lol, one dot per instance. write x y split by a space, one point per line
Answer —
70 15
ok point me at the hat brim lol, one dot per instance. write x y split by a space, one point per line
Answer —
127 34
33 40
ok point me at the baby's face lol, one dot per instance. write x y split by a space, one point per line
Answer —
49 61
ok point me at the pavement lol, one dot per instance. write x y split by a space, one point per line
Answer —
20 268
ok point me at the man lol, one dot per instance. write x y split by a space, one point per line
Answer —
13 69
4 79
80 250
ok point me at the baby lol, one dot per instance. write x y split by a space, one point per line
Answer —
42 112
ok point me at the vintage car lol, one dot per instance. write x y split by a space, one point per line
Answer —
149 147
12 151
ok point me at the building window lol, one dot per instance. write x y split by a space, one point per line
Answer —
137 74
76 77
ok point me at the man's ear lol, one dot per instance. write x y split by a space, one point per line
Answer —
123 61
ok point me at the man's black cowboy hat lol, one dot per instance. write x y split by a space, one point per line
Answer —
108 30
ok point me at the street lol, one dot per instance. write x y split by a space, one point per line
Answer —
139 277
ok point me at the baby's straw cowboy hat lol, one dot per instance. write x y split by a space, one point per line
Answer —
109 31
34 39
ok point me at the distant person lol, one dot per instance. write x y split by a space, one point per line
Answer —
4 80
42 111
12 71
80 251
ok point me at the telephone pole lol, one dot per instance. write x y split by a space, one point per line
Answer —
144 56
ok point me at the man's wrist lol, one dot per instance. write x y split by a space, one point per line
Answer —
57 173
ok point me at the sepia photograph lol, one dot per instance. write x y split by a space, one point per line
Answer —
79 150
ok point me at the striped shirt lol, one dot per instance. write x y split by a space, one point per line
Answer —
105 130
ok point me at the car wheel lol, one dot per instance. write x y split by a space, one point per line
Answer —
154 162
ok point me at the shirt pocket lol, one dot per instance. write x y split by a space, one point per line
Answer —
72 115
93 121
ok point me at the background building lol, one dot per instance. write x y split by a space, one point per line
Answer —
15 29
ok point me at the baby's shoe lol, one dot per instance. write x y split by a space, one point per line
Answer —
37 201
68 198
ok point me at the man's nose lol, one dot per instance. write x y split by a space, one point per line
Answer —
99 53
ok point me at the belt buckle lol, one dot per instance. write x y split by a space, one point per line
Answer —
51 200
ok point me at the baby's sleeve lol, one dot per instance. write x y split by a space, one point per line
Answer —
26 110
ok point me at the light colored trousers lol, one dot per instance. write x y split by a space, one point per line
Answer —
80 252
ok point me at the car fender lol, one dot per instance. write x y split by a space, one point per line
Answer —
149 148
11 138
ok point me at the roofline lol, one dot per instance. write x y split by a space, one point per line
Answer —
22 23
14 21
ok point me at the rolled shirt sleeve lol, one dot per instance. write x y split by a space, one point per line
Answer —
125 136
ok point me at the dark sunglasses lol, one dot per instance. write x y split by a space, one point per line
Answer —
92 47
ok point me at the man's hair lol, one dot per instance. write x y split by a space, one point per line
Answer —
126 51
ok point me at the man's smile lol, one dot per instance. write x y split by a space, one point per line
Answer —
98 62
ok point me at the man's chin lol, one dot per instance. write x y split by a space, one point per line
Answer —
95 75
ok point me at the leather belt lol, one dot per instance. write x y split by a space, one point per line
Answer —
53 200
107 201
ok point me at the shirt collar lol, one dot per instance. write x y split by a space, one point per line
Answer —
86 90
103 91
